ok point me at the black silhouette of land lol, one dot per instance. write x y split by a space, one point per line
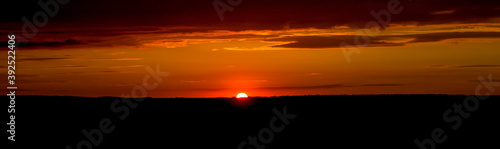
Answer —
337 121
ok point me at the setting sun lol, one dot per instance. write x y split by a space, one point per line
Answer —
241 95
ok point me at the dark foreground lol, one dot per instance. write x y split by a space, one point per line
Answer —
364 121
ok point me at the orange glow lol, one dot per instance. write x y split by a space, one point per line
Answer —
284 63
241 95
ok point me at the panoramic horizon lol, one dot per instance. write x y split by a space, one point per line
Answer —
262 48
251 74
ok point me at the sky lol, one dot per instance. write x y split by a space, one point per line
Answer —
262 48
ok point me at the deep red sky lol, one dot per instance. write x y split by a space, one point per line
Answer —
263 48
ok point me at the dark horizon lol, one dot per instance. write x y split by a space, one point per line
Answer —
314 121
233 97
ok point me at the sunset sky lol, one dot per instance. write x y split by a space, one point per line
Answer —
262 47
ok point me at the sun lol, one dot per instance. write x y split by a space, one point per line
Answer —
241 95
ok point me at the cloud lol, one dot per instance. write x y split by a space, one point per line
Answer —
51 44
41 59
378 41
255 14
381 85
313 74
323 42
193 81
304 87
330 86
114 53
170 37
90 72
443 12
432 37
108 71
128 66
241 81
119 59
490 66
75 66
176 23
477 66
284 39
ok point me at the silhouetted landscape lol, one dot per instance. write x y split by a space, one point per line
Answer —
337 121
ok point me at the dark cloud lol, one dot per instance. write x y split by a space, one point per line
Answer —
335 41
135 37
331 86
51 44
442 36
296 41
251 14
326 42
381 85
489 66
69 66
236 36
93 20
108 71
